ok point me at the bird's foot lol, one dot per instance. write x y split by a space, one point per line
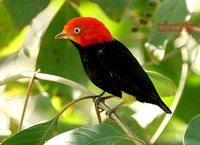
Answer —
98 98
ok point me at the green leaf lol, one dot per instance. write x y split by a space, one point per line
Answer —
35 135
192 134
23 11
163 85
100 134
114 9
171 12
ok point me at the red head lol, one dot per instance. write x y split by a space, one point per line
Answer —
85 31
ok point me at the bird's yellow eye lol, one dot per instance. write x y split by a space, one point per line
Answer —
77 30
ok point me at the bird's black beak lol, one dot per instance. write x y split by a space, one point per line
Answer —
61 35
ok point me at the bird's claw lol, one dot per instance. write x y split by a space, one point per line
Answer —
97 99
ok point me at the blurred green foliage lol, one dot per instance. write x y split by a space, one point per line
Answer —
27 31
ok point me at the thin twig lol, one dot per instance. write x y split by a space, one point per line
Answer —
73 102
26 100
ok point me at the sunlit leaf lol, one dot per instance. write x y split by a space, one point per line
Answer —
192 134
101 134
164 86
35 135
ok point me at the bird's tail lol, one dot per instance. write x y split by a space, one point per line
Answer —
162 105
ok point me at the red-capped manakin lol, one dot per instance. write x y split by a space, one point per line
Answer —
108 63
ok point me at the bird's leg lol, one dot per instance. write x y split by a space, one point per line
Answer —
100 98
109 112
97 108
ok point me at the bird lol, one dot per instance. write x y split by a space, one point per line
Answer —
108 63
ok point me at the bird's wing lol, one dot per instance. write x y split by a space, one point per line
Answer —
124 68
128 75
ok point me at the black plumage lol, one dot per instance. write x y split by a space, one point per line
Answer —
113 68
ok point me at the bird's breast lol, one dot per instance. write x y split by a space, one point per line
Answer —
97 72
92 66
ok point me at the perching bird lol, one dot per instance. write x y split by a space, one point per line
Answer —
108 63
